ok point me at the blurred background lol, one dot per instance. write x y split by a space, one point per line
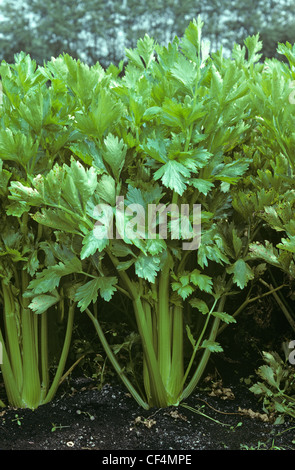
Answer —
95 30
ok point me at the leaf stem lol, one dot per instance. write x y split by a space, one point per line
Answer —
64 354
114 361
205 357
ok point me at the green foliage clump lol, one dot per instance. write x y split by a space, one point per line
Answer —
84 149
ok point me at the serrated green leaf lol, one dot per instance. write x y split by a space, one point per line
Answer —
183 290
22 193
106 189
80 78
33 263
191 41
224 317
156 149
87 151
232 172
120 249
213 253
35 108
257 389
83 180
253 45
185 279
48 279
107 287
41 303
154 247
14 255
267 373
58 219
17 209
242 273
105 113
237 242
184 71
272 217
267 252
176 114
190 336
123 265
147 267
88 292
17 146
200 305
202 281
287 244
174 175
134 57
145 48
202 185
212 346
151 113
91 244
114 154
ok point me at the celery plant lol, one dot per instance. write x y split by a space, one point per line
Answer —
30 115
170 131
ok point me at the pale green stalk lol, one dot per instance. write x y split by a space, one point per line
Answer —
164 325
25 367
63 356
31 391
44 356
206 355
152 333
156 383
175 382
158 392
11 386
12 328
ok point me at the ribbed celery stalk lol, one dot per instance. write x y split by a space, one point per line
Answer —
158 396
164 325
12 327
11 387
25 350
20 360
31 392
150 322
158 392
176 376
161 333
44 356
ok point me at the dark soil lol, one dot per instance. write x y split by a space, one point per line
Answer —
223 414
110 420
